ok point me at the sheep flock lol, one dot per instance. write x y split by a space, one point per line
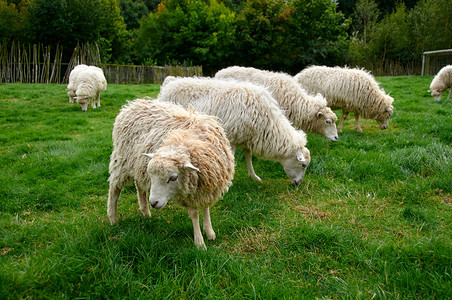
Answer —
180 146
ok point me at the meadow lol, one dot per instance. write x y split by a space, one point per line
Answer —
371 219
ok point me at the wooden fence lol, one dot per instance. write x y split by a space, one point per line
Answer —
41 64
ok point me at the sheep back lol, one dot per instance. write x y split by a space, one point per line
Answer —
248 113
349 89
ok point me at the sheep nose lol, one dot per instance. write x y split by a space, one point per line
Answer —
296 182
154 204
383 127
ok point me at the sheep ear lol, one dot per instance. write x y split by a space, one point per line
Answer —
300 156
319 114
150 155
191 167
389 109
429 91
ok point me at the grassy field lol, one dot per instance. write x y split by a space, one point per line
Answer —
372 218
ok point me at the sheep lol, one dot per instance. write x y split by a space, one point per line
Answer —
250 117
174 154
72 84
90 83
352 90
306 112
441 82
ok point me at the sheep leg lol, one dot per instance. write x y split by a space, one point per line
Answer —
98 100
450 90
142 201
358 128
249 163
112 205
194 216
344 116
93 99
207 225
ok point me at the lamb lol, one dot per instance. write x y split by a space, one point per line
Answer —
72 84
90 83
250 117
441 82
175 154
306 112
352 90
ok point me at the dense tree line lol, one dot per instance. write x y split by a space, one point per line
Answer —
272 34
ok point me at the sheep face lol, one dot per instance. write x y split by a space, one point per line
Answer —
295 166
437 93
168 176
83 101
383 118
325 124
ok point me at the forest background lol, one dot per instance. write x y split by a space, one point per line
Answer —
279 35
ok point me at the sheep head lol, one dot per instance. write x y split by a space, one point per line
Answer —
83 101
325 123
437 93
295 166
383 117
169 170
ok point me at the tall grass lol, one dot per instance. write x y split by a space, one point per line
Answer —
372 217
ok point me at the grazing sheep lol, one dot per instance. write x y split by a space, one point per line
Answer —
72 84
442 82
306 112
352 90
173 153
90 83
250 117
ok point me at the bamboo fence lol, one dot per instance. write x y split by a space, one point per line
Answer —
40 64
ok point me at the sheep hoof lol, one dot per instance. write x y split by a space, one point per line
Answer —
255 177
201 246
359 129
211 236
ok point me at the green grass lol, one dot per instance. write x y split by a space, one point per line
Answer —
372 217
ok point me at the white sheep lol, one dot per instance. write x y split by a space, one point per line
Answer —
306 112
442 82
72 84
90 83
250 117
352 90
175 154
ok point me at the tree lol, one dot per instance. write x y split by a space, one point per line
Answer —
187 32
72 22
288 35
261 33
13 20
132 12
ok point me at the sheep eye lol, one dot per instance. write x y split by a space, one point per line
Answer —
172 178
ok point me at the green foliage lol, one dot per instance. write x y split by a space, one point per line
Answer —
69 23
404 34
431 23
318 34
278 35
13 19
187 32
132 12
372 218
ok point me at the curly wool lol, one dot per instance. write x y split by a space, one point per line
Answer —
442 81
146 126
72 84
299 107
90 83
352 90
249 114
